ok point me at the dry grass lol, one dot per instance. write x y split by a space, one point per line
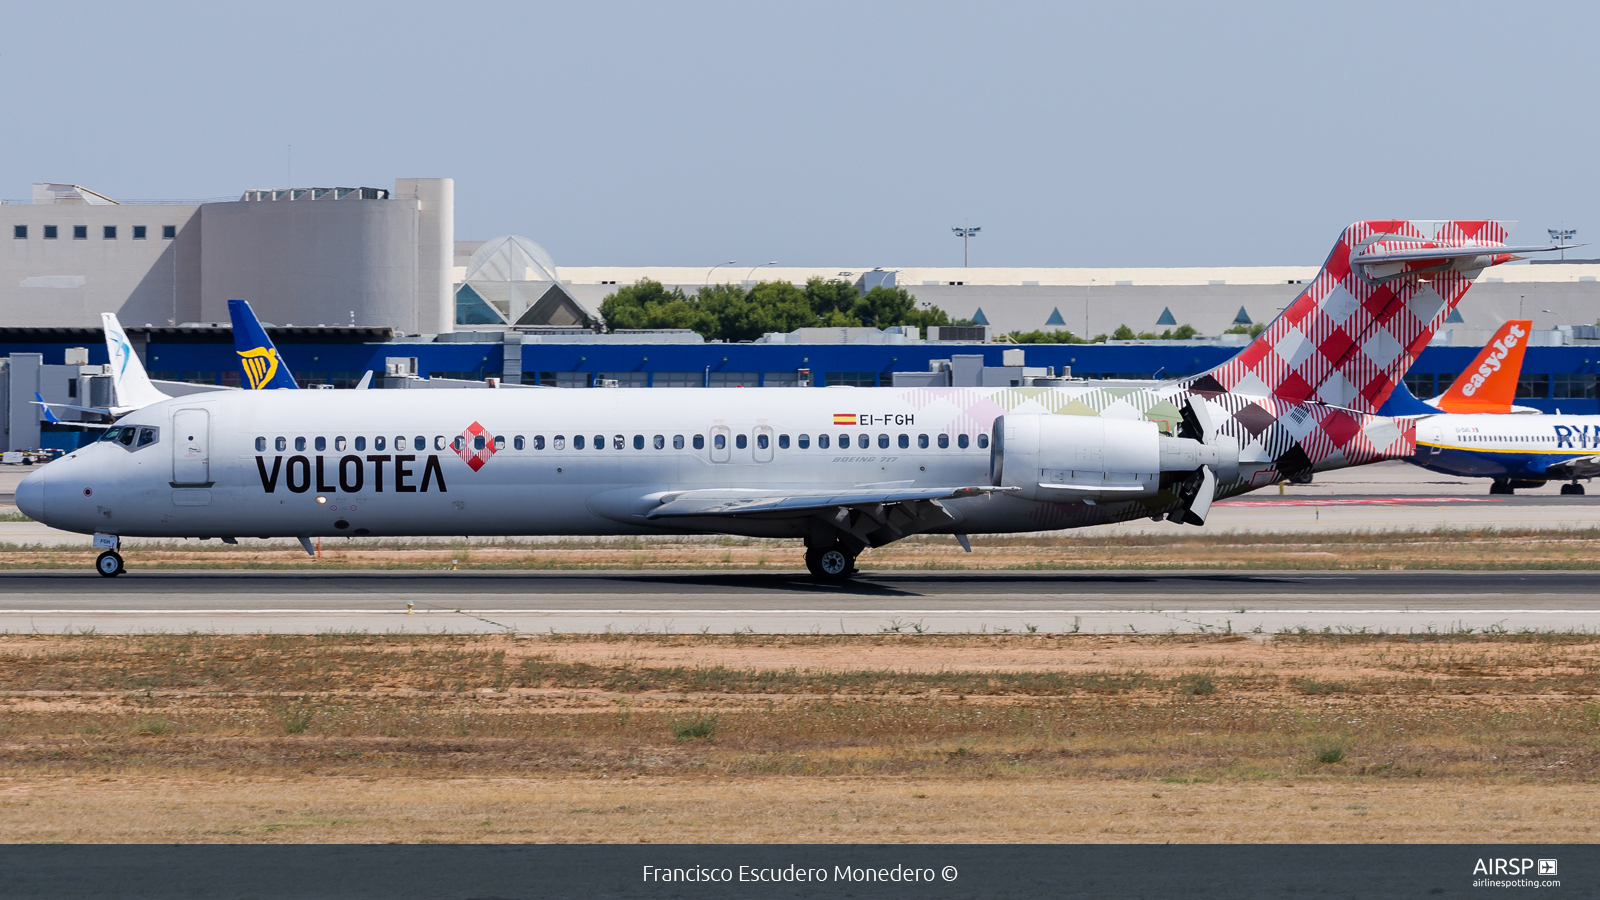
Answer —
796 738
1487 548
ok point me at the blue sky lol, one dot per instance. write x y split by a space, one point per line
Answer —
833 133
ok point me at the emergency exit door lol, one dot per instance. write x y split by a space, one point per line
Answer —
191 443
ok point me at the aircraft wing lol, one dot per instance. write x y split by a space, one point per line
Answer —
1577 467
734 502
873 515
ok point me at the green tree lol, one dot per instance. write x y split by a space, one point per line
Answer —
830 297
648 304
1123 333
1037 336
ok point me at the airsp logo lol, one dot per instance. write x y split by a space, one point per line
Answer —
1499 866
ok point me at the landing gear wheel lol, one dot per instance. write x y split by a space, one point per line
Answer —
109 564
830 564
1500 487
1573 488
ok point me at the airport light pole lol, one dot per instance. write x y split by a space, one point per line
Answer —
754 268
966 234
731 262
1557 315
1561 236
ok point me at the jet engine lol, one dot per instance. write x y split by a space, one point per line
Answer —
1065 459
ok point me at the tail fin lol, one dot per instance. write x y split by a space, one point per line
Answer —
263 368
1349 337
1489 385
130 385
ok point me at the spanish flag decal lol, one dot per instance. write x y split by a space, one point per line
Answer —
844 418
259 365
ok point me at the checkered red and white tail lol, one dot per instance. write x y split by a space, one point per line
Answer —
1352 333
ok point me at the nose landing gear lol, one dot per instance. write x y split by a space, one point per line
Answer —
109 564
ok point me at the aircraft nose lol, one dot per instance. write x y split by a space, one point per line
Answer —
30 495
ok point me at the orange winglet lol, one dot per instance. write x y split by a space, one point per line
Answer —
1489 385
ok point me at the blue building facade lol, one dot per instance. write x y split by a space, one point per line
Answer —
1553 378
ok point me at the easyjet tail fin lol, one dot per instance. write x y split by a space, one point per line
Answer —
263 368
1349 337
130 385
1489 385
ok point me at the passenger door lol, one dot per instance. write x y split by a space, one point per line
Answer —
191 443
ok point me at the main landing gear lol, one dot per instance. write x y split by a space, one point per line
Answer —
832 564
109 564
1573 488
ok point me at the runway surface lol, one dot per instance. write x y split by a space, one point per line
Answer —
1111 602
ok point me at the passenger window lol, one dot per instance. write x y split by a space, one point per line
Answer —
944 441
577 442
783 442
600 442
378 442
922 442
659 442
638 441
517 442
399 443
147 436
561 443
804 441
500 442
720 442
983 441
699 442
478 442
741 441
261 445
864 441
883 442
677 442
961 441
280 444
844 442
339 442
438 442
321 444
361 443
459 443
538 442
822 442
761 441
905 441
300 444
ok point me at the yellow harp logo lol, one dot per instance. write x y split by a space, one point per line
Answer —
259 365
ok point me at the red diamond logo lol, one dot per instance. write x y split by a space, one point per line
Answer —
475 446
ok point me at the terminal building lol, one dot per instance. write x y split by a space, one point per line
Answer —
353 279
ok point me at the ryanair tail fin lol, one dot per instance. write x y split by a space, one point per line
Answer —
263 369
130 385
1489 385
1349 337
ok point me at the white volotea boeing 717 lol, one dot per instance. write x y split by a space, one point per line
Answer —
840 469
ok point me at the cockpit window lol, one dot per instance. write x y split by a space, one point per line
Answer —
126 437
112 433
147 436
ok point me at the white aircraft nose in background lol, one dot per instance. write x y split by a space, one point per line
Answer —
30 494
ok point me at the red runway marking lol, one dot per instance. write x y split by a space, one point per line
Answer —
1369 501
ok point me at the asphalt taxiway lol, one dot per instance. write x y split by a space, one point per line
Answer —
1109 602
